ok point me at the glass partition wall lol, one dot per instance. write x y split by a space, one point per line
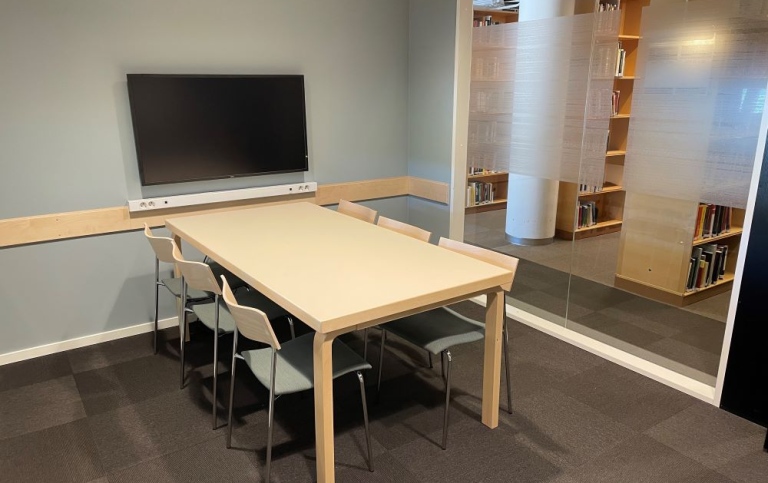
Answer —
645 118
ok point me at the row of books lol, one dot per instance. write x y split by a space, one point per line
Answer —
473 171
621 57
712 220
615 103
483 21
479 193
587 214
608 5
707 265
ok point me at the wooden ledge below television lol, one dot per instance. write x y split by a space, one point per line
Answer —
74 224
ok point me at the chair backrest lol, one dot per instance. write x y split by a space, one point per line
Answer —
196 274
357 211
251 322
404 228
494 258
163 246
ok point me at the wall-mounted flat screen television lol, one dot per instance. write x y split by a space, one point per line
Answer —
199 127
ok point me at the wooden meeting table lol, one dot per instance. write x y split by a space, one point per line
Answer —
338 274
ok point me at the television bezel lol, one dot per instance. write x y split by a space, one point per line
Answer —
217 76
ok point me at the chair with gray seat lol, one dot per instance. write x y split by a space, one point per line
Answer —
285 368
214 315
437 330
163 248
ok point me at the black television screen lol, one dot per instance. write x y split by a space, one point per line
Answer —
197 127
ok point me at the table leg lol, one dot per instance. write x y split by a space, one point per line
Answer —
494 321
323 368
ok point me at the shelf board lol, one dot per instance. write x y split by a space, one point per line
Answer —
599 226
722 236
490 177
494 205
727 278
615 153
620 116
605 190
625 77
629 37
491 11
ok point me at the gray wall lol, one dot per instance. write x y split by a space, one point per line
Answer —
431 60
66 142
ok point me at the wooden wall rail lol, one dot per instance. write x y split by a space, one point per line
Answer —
75 224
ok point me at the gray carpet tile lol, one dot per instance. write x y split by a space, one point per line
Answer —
664 314
686 354
474 454
563 430
708 338
127 383
33 371
38 406
387 470
110 353
625 396
638 320
63 453
617 329
151 428
594 296
639 459
553 304
209 461
747 469
554 355
709 435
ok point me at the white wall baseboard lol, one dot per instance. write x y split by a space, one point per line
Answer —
634 363
47 349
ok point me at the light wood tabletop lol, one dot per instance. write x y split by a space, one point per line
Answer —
339 274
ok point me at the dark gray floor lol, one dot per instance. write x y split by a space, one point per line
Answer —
114 413
683 341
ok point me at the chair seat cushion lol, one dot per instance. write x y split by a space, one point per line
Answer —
206 312
437 329
294 371
174 286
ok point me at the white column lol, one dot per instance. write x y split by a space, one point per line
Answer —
532 202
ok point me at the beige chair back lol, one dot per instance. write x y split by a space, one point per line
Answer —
494 258
251 322
197 275
404 228
163 246
357 211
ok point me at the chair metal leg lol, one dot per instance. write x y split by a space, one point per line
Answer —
381 361
232 390
365 344
182 326
447 396
505 354
429 357
292 326
271 412
215 360
365 420
442 365
157 294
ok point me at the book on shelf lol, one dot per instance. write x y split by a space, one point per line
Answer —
615 103
587 214
479 193
621 57
706 266
712 220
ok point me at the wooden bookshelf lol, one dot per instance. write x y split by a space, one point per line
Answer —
499 182
609 199
654 255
